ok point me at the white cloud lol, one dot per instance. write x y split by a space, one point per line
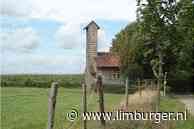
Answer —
103 42
16 8
68 36
19 40
73 36
73 10
53 59
73 13
33 63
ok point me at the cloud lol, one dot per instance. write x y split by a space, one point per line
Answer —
37 64
19 40
53 59
16 8
72 36
103 42
73 10
68 36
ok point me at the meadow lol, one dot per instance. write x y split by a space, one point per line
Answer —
24 103
26 108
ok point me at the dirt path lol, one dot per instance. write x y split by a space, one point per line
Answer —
188 100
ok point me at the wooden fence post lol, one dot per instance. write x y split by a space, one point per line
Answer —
139 87
158 98
100 90
84 103
51 105
146 84
165 78
126 92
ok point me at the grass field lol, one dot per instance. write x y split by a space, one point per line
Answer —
24 103
169 104
26 108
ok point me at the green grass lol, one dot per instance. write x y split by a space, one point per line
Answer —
169 104
26 108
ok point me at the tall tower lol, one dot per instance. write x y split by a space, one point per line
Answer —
91 52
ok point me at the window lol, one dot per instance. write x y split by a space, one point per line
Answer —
115 75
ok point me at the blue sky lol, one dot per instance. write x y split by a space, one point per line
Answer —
41 37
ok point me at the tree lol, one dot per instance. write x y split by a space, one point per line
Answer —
162 40
186 28
127 47
184 67
157 19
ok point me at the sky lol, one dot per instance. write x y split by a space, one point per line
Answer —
47 36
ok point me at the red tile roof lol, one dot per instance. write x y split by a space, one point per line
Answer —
107 60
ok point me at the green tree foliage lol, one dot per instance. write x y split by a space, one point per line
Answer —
161 40
185 27
157 20
126 46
